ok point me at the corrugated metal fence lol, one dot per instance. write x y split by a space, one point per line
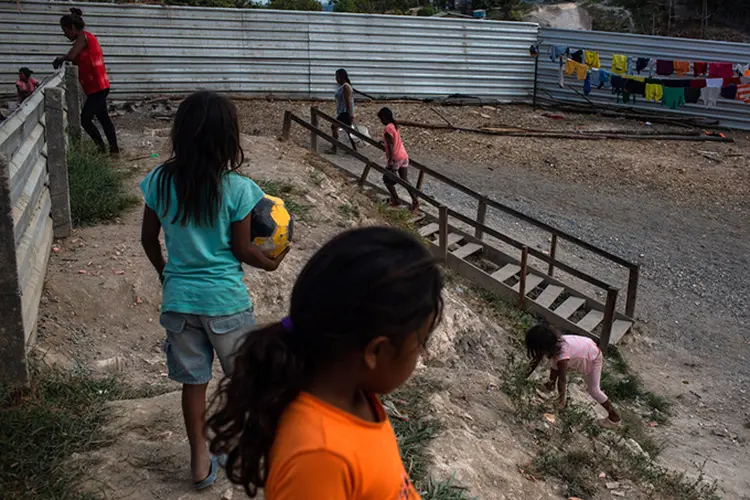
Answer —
733 114
34 205
155 49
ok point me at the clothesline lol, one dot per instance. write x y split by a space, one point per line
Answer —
719 79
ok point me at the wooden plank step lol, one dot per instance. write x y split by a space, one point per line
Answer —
548 296
453 238
532 281
506 272
591 320
429 229
466 250
619 328
568 307
416 218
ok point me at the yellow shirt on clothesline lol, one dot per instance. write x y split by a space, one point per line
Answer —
592 59
654 92
619 64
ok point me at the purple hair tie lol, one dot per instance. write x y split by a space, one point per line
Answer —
286 323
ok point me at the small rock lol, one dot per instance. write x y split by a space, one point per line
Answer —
612 485
617 493
119 273
227 495
82 271
549 418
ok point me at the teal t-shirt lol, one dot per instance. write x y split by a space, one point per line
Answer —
202 275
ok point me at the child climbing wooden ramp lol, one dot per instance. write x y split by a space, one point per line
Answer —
494 260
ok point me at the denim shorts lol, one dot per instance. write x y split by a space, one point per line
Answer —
192 341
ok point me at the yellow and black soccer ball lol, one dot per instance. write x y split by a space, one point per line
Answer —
271 226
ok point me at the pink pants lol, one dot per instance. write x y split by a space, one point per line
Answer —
593 380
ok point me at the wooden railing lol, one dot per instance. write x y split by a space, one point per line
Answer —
444 213
483 202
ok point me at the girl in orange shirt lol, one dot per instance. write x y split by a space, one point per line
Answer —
300 416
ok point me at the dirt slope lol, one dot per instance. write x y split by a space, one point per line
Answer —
102 300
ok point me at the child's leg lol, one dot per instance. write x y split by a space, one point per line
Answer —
190 358
390 185
403 172
593 381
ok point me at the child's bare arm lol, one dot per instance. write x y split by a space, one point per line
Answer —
150 229
246 252
389 149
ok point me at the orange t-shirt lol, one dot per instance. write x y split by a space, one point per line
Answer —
323 453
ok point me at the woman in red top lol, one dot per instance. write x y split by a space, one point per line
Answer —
86 53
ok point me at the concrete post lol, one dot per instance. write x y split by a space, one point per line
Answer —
57 162
73 101
13 368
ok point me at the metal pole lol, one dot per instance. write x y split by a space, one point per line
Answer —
522 283
536 73
364 175
420 180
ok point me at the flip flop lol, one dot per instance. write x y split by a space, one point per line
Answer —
211 478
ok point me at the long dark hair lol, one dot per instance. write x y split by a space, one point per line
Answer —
543 340
205 146
363 284
341 73
386 116
73 20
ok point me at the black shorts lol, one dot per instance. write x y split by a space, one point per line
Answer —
345 118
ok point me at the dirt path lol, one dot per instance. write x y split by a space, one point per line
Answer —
694 285
562 15
100 313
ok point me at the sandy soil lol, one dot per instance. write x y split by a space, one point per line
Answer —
93 311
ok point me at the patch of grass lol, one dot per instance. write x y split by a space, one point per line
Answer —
617 360
287 192
42 426
444 490
574 468
349 211
414 435
317 177
97 189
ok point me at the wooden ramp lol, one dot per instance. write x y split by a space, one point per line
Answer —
560 304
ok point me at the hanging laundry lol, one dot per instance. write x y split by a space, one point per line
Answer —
635 85
557 51
697 83
605 79
654 92
627 96
720 70
674 97
682 68
664 67
619 64
587 85
729 92
735 80
747 73
592 59
642 63
741 69
677 84
595 78
692 95
700 68
715 82
743 93
577 56
745 80
618 84
710 96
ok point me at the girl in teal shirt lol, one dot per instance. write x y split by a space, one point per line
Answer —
204 208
